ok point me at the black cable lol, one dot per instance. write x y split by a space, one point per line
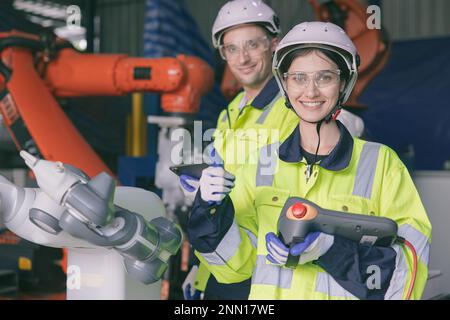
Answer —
5 71
16 42
310 166
319 124
228 118
33 45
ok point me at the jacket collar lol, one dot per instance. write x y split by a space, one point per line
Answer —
338 159
266 95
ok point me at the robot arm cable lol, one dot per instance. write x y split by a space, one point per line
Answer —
414 271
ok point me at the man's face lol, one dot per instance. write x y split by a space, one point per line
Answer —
248 52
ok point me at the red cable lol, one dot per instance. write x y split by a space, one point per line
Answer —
414 271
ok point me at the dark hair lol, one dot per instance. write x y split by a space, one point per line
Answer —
333 56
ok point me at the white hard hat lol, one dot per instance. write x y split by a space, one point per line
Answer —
244 11
323 35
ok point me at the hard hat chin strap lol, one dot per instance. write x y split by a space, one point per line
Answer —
334 113
288 103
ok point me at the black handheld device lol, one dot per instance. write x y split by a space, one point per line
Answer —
300 217
192 170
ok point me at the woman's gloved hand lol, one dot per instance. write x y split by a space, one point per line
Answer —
315 245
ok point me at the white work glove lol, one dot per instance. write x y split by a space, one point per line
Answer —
215 184
316 244
353 123
189 292
189 186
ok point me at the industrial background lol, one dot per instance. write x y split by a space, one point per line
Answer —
407 102
404 19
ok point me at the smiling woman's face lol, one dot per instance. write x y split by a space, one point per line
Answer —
311 103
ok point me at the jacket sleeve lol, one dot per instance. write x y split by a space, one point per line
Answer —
400 202
365 271
379 272
224 241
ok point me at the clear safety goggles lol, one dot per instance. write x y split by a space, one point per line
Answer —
252 47
300 80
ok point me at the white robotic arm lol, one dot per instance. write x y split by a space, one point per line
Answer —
70 210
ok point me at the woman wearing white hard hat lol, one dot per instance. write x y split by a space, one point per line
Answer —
316 67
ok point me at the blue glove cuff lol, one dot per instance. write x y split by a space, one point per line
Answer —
189 296
186 186
298 249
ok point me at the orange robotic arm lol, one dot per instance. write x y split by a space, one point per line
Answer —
181 80
34 117
372 44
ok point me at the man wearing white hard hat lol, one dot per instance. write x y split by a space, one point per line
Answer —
246 34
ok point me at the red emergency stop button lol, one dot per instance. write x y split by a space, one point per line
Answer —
298 210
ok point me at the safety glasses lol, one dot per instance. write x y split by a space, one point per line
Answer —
300 80
252 47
